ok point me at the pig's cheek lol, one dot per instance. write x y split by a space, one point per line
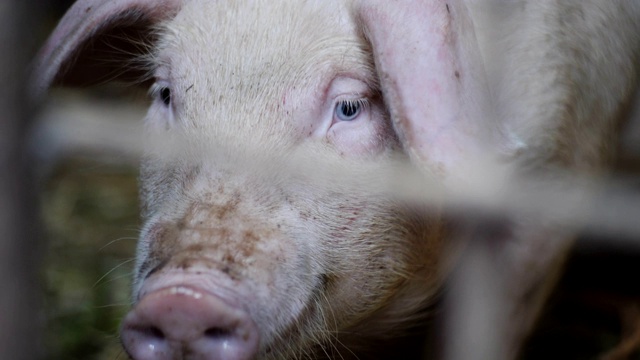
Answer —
356 139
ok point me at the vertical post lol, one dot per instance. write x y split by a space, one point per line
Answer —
20 328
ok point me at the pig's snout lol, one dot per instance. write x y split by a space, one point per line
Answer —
182 322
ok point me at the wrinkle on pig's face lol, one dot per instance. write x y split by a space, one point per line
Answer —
285 131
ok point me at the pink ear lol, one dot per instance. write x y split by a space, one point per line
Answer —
85 21
433 81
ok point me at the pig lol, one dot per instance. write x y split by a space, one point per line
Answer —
275 126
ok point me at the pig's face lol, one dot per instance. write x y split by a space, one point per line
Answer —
265 210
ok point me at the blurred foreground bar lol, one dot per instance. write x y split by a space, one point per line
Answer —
20 328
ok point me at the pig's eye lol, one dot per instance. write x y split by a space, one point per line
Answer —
349 110
165 95
162 93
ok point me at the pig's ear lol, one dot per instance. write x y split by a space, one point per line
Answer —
433 81
96 40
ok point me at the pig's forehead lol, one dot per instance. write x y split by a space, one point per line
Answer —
225 42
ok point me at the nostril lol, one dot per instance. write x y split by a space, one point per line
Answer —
149 332
216 332
156 333
150 342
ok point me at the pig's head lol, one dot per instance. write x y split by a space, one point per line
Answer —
268 137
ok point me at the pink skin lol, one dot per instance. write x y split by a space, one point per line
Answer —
433 79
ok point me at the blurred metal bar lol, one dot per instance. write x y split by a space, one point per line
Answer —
20 327
474 307
81 125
